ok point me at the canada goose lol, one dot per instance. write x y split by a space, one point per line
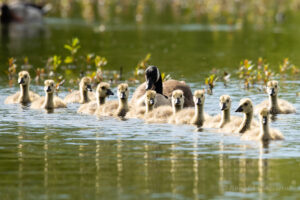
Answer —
264 133
193 116
275 105
150 102
102 91
49 102
154 81
24 96
161 114
117 108
246 107
84 95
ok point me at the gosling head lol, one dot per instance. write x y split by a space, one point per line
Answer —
272 88
103 90
199 97
264 115
49 86
245 106
24 78
123 91
225 102
177 99
150 99
85 84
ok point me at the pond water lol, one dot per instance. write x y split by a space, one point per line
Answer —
65 155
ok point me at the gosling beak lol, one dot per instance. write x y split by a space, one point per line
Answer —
223 106
89 87
109 92
122 95
151 101
272 92
177 101
240 109
21 81
48 89
198 101
264 120
149 84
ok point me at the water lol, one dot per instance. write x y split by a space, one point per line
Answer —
69 156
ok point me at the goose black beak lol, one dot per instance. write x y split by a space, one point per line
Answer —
21 81
89 88
123 95
264 120
223 106
240 109
151 101
272 92
177 101
198 102
48 89
109 92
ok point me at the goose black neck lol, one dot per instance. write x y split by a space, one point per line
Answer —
158 86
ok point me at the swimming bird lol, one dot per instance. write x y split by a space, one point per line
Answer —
196 115
154 81
275 105
163 113
84 95
24 96
117 108
264 133
102 92
246 107
49 102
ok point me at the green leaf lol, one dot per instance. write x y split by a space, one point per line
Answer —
68 60
75 41
68 47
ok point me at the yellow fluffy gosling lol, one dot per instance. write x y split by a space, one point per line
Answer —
248 123
102 91
84 95
49 102
264 133
275 105
117 108
163 113
24 96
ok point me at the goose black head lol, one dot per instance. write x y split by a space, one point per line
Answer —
153 79
6 16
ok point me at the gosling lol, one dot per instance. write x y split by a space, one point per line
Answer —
248 123
102 92
49 102
116 108
192 116
84 95
24 96
163 113
264 133
275 105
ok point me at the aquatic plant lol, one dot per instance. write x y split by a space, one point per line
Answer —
73 48
12 69
210 83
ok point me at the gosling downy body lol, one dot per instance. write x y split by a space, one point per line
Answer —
102 92
274 104
162 114
84 95
194 116
154 81
24 96
117 108
49 102
263 133
247 123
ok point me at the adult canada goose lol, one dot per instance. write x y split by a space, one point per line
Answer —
196 115
264 133
49 102
275 105
154 81
24 96
162 114
84 95
150 102
117 108
246 107
102 91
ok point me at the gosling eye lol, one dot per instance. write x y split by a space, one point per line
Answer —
125 89
227 100
180 96
275 86
103 88
246 104
25 76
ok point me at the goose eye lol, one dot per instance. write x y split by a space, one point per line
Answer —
103 88
180 96
25 76
246 104
227 100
